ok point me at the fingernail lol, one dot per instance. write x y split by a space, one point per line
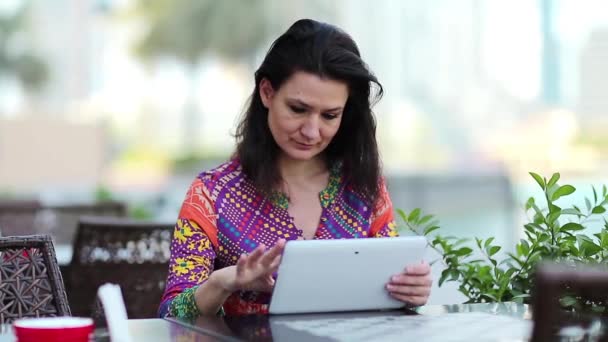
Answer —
394 278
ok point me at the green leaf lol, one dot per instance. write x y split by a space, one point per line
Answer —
572 211
550 191
488 242
525 247
529 203
494 250
564 190
604 190
414 215
444 275
538 180
553 217
516 259
594 194
539 218
464 251
425 219
554 209
598 210
543 237
572 226
553 179
589 248
587 203
428 230
403 214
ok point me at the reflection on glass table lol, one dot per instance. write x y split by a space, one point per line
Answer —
496 321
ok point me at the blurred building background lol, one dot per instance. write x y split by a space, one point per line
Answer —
131 99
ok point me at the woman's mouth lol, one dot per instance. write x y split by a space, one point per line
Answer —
302 146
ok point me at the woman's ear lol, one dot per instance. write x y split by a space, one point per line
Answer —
266 92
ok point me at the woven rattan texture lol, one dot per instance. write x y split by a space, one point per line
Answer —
30 282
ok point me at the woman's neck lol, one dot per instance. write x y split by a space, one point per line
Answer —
301 171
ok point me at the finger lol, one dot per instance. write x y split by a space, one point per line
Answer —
409 290
270 256
422 268
240 265
410 300
411 280
274 266
255 256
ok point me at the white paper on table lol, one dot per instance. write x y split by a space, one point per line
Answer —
115 312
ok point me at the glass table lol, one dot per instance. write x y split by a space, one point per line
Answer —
476 322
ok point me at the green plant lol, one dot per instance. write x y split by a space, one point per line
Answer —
553 233
103 194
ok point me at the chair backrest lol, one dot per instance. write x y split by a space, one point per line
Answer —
62 220
18 217
132 254
30 282
552 282
31 217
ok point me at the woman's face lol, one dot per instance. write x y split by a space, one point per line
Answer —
304 114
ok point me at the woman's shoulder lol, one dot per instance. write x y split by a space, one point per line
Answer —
221 173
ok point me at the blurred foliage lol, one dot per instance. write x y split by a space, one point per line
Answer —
553 233
195 162
103 194
187 29
599 141
16 59
232 29
140 212
136 211
142 157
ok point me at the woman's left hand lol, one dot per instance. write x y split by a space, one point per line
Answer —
413 286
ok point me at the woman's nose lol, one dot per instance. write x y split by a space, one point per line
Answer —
310 129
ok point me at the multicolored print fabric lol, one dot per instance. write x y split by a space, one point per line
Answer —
223 216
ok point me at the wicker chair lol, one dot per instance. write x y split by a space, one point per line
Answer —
18 217
132 254
553 324
30 282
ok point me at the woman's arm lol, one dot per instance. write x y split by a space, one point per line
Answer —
211 295
192 255
193 286
252 272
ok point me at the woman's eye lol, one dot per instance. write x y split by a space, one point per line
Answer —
296 109
329 116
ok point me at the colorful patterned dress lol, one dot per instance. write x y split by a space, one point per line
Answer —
223 216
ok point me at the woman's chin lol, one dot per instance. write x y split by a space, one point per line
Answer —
301 155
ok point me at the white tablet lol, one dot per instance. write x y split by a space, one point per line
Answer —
342 275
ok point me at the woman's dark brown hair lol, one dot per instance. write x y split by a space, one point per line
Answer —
328 52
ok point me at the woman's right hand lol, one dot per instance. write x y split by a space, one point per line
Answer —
253 272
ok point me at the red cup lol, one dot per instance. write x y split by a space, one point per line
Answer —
54 329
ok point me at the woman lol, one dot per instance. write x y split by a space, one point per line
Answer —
306 167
